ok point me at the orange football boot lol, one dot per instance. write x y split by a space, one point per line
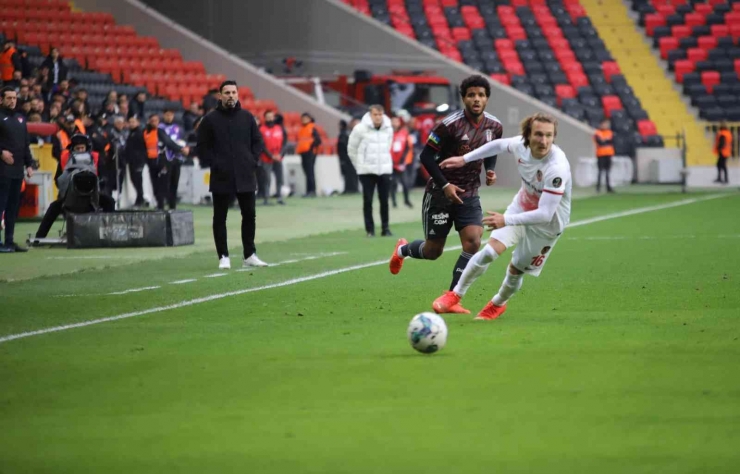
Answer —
490 312
397 262
449 302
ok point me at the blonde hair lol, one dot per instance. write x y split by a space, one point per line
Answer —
538 117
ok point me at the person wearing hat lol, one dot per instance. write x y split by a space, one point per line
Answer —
79 156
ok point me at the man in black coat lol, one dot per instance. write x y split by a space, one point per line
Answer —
345 164
230 143
15 161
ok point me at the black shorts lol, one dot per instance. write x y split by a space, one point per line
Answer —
438 214
604 163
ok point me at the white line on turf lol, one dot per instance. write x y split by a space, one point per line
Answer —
180 282
215 275
134 290
317 276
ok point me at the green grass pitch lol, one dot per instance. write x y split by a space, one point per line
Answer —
622 357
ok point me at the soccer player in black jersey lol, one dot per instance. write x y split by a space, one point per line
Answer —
451 195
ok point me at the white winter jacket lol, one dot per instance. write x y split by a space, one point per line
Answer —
370 148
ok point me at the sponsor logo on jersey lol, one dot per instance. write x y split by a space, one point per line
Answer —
465 137
557 182
489 135
433 138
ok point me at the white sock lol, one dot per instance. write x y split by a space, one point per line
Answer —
511 284
476 267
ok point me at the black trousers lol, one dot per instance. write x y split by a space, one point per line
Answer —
159 171
172 183
399 177
10 204
369 183
308 162
605 165
220 210
277 170
107 204
136 170
264 176
722 166
349 174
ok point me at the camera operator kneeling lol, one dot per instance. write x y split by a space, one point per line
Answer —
79 188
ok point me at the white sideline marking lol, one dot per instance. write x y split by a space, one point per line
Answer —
317 276
215 275
180 282
295 260
96 257
134 290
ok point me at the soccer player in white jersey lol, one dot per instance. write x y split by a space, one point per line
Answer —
533 221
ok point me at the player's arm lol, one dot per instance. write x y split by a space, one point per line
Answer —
491 148
542 215
429 159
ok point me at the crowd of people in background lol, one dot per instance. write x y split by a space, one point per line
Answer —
119 127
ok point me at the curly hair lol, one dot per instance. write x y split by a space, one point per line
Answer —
475 81
538 117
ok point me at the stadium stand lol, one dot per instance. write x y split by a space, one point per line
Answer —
547 49
104 56
684 34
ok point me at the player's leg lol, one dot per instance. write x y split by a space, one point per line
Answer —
384 184
220 211
368 191
607 171
435 218
500 240
529 257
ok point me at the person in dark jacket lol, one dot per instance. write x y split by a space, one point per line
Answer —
137 106
135 158
15 161
345 164
157 142
230 143
57 69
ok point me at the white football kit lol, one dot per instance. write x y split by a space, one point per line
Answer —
540 210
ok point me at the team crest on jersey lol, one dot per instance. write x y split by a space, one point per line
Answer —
545 250
557 182
489 135
539 175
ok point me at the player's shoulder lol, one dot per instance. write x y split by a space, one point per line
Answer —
492 119
453 117
559 161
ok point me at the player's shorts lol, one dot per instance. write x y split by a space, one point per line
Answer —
438 214
532 248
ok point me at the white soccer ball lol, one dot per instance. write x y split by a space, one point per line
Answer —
427 332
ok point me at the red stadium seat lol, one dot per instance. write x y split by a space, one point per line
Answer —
735 31
703 8
682 66
696 54
719 30
611 103
694 19
680 31
710 79
610 68
578 80
652 21
504 78
737 67
667 43
707 42
646 128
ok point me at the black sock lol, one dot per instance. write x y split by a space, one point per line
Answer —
462 262
413 250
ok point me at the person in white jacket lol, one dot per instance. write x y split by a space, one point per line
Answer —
369 149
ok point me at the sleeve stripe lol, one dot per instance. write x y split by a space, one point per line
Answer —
552 192
431 145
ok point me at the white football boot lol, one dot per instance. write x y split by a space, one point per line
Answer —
254 261
224 263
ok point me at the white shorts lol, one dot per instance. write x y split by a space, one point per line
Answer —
532 247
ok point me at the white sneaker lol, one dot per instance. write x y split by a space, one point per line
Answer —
224 263
254 261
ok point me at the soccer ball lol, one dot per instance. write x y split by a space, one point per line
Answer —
427 333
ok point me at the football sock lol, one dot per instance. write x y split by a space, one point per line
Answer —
413 250
462 262
476 267
511 284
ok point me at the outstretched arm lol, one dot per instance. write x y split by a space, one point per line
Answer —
542 215
490 149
